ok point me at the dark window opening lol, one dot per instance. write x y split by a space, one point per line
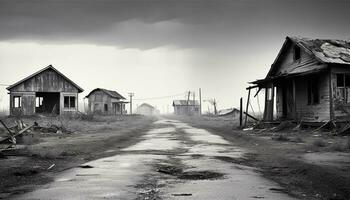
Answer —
343 87
69 102
340 80
47 102
296 53
17 101
106 107
313 92
72 102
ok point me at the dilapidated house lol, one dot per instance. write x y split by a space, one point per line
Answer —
106 102
147 109
186 107
309 81
47 91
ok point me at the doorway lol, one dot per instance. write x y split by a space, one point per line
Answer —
47 103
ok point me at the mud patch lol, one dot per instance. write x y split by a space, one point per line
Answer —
169 169
200 175
230 159
188 175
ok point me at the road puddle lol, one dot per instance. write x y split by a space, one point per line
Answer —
195 172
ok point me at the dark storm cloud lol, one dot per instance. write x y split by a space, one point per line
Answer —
187 23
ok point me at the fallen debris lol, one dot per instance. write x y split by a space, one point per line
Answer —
182 194
51 166
86 166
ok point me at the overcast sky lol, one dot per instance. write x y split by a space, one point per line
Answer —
159 47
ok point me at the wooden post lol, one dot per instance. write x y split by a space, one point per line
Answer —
246 110
200 101
241 113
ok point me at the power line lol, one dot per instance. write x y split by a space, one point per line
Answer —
4 84
161 97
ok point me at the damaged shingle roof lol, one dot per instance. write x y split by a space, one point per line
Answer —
111 93
326 50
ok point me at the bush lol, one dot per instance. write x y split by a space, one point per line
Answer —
280 137
319 143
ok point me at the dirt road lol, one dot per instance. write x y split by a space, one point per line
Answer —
172 161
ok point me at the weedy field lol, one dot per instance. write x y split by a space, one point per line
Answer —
59 143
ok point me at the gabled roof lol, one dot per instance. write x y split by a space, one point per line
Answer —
324 51
110 93
146 105
46 68
184 102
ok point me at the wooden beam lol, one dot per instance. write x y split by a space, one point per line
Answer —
247 107
241 113
256 119
6 127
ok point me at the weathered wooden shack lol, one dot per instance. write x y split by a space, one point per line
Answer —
186 107
309 80
147 109
106 102
47 91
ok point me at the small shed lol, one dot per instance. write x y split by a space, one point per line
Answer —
106 102
147 109
186 107
308 81
47 91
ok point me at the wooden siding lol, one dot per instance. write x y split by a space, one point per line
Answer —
97 101
47 81
340 109
27 101
319 112
286 62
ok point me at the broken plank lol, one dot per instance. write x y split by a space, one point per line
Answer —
251 116
6 127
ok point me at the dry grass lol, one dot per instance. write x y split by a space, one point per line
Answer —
319 143
341 146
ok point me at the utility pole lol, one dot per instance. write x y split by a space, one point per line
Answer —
131 94
241 113
188 102
200 101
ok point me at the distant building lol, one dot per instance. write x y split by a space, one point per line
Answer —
147 109
229 112
106 102
309 81
47 91
185 107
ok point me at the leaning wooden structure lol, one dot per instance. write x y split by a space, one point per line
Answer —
309 81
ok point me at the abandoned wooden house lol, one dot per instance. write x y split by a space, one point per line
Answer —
106 102
47 91
147 109
186 107
309 81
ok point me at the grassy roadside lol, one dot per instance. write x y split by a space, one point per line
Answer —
282 160
28 166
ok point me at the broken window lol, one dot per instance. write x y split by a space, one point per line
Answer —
38 101
313 91
296 53
17 101
343 87
69 102
106 107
